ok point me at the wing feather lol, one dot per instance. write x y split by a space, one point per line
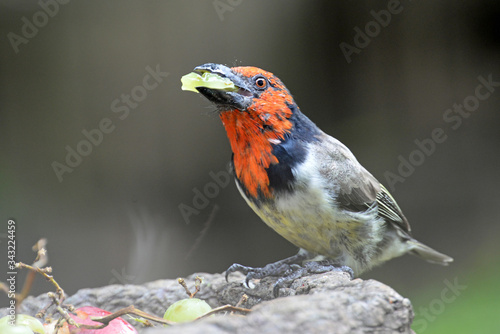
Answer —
353 187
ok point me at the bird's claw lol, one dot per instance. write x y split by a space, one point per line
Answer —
272 269
237 267
288 272
309 268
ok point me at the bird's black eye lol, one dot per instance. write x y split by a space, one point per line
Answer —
260 82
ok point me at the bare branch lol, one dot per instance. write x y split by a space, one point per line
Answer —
225 308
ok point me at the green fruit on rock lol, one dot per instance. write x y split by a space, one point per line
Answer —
25 324
186 310
9 329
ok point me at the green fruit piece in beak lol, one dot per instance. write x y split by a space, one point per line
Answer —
209 80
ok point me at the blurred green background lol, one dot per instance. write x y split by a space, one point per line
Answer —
115 217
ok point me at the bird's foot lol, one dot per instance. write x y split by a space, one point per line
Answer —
288 269
309 268
279 268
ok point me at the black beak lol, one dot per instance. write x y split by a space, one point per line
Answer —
226 100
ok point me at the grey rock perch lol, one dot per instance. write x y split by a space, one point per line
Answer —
322 303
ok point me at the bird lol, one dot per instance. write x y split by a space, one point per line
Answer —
303 183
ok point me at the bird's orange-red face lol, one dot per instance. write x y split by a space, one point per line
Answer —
256 117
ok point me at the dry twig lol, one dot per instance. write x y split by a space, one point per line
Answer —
124 311
225 308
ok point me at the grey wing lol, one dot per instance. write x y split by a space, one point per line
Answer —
389 209
356 189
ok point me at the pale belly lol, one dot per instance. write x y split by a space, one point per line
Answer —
310 221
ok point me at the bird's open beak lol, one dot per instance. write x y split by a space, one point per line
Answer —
223 87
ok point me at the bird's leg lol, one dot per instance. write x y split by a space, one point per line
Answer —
290 269
283 267
309 268
323 266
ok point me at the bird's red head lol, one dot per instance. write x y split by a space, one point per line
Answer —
256 117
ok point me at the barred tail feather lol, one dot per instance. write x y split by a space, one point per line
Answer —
430 255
